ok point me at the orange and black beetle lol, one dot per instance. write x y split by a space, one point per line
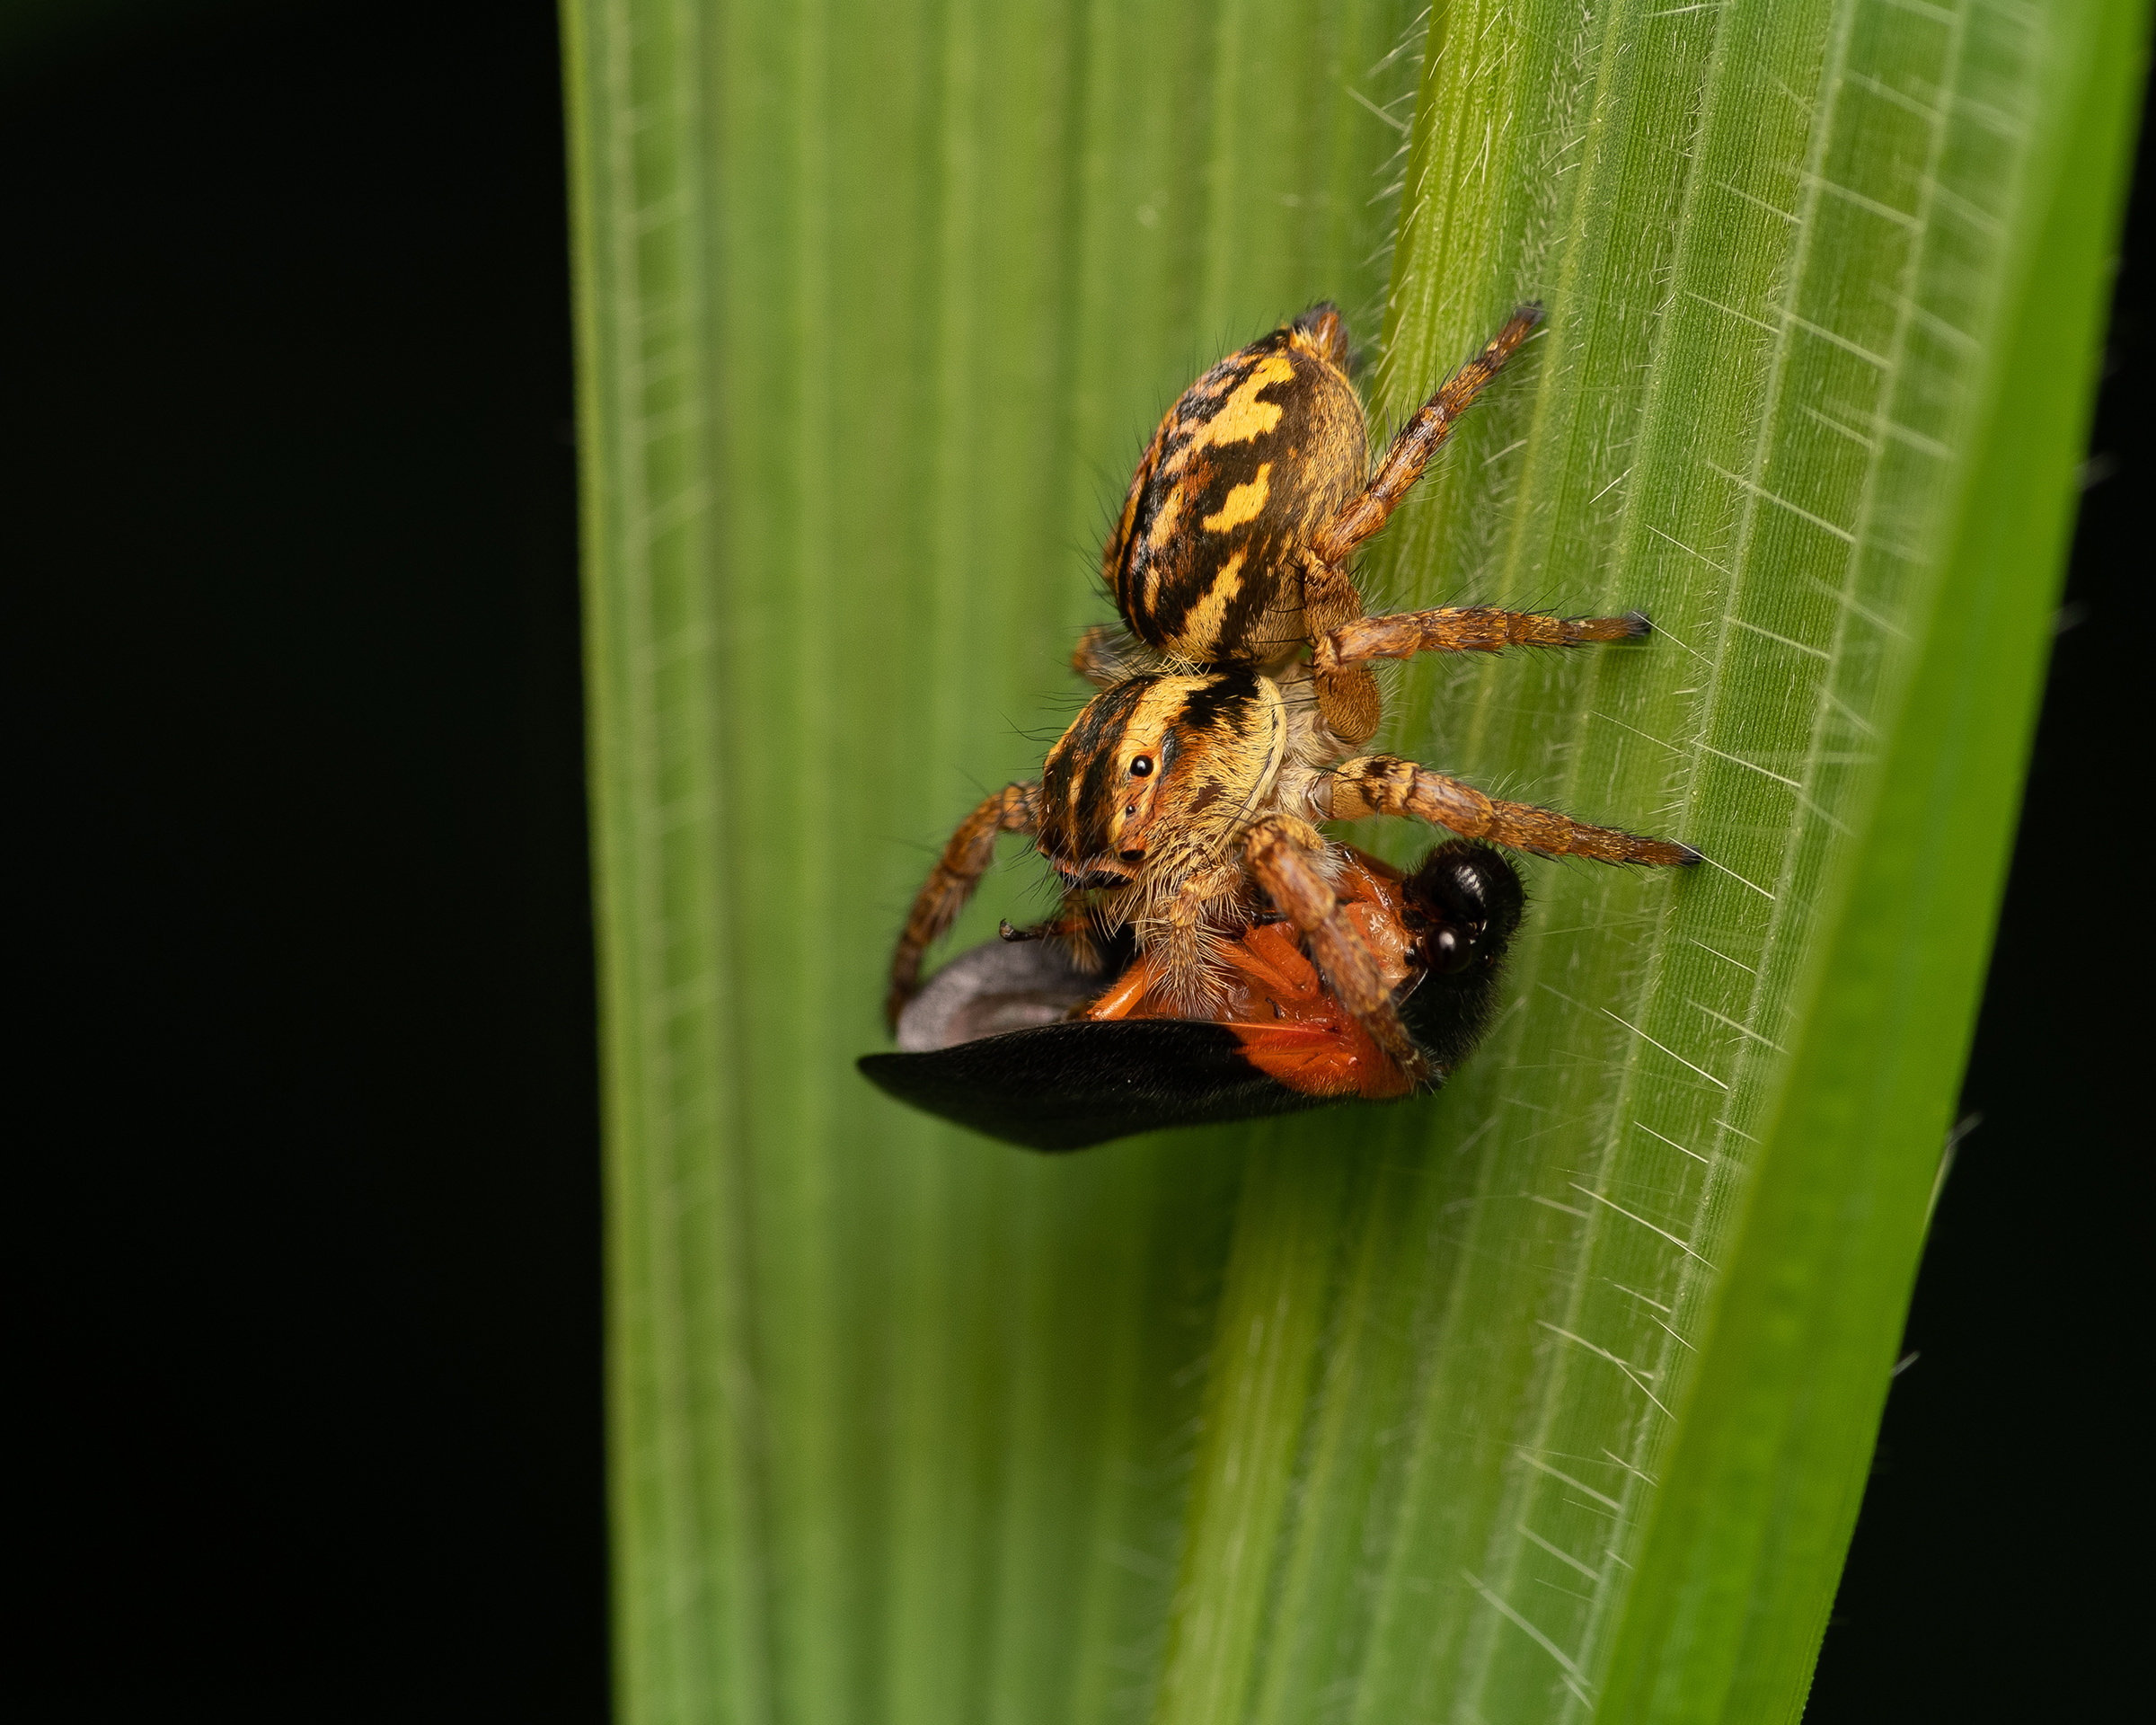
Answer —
1014 1041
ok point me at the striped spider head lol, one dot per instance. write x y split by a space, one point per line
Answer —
1159 771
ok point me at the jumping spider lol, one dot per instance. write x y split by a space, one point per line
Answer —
1182 803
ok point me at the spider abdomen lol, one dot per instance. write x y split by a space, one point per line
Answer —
1250 463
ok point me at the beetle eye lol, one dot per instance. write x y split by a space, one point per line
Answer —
1140 767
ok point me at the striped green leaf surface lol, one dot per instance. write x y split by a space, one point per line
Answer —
1547 1396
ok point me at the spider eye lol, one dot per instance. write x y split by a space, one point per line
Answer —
1142 766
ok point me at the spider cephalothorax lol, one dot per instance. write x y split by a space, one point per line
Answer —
1158 767
1144 802
1181 804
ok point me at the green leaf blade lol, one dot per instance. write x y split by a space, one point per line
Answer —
1461 1408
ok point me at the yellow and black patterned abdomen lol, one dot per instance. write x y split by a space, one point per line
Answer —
1252 459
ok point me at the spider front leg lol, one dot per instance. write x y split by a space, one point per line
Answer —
1183 939
950 883
1280 852
1384 784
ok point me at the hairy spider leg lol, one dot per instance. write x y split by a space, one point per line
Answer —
1385 784
1464 629
1279 850
1417 441
950 883
1107 654
1347 693
1078 927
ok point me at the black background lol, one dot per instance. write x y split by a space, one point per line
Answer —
307 1214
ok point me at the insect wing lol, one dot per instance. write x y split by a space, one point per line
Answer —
990 1043
1066 1086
